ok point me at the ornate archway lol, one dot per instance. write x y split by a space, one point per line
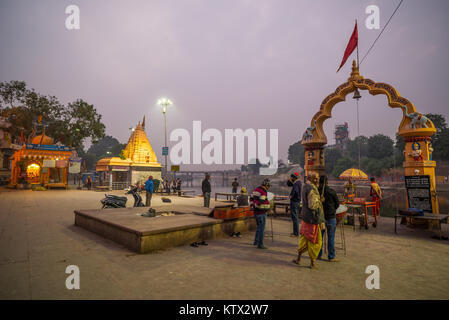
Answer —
415 129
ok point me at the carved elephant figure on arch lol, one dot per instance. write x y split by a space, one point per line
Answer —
416 118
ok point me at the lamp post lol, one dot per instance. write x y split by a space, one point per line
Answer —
164 103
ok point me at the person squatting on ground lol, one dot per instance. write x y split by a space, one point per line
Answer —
295 199
330 205
261 205
242 198
206 189
376 194
149 187
310 238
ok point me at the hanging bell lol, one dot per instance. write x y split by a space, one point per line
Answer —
357 95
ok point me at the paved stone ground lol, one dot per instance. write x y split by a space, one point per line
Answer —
38 240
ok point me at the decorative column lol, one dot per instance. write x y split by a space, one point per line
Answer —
418 161
314 159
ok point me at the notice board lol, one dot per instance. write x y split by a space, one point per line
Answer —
418 192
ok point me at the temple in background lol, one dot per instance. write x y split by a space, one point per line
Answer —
137 162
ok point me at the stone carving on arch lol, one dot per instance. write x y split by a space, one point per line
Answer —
315 136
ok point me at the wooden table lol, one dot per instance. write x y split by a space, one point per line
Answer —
427 216
363 206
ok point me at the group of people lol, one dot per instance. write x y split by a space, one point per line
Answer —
319 206
153 185
242 198
172 186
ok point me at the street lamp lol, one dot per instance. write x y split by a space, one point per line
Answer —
164 103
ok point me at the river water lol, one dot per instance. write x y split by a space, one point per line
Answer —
394 198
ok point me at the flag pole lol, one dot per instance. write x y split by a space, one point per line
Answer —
357 45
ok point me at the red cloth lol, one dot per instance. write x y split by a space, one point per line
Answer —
352 44
310 231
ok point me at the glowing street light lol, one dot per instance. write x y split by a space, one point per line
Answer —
164 103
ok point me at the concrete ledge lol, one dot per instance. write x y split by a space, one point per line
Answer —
140 234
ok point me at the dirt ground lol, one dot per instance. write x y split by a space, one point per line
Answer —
38 240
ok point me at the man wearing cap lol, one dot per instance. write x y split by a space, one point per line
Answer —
295 199
242 199
149 187
261 205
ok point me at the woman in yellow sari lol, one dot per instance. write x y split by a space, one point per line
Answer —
310 239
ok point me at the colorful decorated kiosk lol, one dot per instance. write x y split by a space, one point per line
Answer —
137 163
415 128
40 162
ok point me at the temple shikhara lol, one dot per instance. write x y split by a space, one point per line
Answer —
41 162
136 163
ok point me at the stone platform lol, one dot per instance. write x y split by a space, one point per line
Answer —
127 227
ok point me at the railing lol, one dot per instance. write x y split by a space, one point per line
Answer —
115 185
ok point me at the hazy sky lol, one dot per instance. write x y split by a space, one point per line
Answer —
229 63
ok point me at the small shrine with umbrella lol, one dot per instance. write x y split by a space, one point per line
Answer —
350 189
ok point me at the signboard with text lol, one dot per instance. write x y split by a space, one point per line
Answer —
52 147
418 192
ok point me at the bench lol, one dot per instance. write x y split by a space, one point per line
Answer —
426 216
229 196
56 185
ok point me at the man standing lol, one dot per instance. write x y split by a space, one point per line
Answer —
312 221
235 185
261 205
178 186
205 187
89 182
295 199
330 205
149 187
376 194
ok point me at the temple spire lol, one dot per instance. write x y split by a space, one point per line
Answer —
143 122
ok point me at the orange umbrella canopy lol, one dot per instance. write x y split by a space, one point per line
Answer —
354 174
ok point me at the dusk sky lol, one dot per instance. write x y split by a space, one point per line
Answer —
231 64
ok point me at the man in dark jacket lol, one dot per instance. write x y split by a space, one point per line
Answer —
295 199
330 205
206 188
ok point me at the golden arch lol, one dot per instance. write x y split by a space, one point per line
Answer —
414 128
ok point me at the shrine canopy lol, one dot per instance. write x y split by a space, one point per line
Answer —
354 174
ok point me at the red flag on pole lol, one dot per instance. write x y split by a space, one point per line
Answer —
352 44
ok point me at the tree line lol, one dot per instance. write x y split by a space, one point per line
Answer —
30 113
378 153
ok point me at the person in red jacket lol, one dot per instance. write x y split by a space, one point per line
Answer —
261 205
